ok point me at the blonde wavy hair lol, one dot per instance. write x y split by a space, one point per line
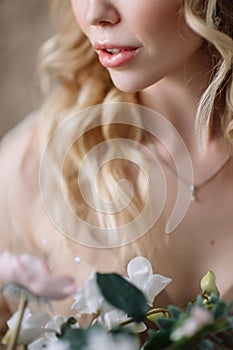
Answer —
213 20
74 80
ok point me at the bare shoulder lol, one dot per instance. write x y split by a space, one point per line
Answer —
16 142
18 179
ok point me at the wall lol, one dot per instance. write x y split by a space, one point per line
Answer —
24 25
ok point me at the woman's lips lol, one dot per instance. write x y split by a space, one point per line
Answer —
115 56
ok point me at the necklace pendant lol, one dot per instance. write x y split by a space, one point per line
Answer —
193 190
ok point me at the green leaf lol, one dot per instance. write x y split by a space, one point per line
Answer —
189 307
77 338
227 338
165 323
123 295
230 322
159 340
199 302
220 310
217 339
206 344
213 299
175 312
230 306
126 333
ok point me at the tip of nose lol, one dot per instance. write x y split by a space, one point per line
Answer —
102 16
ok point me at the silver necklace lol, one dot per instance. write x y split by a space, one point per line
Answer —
194 188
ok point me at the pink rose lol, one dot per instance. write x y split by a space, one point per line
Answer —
34 274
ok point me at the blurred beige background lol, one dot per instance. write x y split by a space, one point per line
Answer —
24 25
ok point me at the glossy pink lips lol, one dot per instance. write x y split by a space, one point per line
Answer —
115 56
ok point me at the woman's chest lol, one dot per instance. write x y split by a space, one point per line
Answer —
202 241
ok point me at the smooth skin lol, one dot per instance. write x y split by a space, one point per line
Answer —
170 71
156 27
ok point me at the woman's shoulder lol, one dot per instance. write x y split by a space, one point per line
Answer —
19 154
16 141
19 159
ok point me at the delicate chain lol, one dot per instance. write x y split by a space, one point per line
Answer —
195 187
215 172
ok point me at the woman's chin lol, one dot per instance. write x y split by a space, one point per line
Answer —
126 87
126 83
130 84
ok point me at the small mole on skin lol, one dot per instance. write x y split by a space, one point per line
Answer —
212 242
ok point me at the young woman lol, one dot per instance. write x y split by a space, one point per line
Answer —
149 82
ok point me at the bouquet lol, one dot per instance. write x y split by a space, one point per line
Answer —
123 316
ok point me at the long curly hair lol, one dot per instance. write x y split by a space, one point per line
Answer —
213 20
74 80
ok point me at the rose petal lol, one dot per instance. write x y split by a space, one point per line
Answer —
155 285
139 271
88 299
54 324
39 344
34 274
30 327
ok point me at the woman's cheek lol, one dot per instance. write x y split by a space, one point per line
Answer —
161 18
79 11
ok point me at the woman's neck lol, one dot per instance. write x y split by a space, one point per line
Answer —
177 95
176 98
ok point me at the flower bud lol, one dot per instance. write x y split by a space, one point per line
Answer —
208 285
154 317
